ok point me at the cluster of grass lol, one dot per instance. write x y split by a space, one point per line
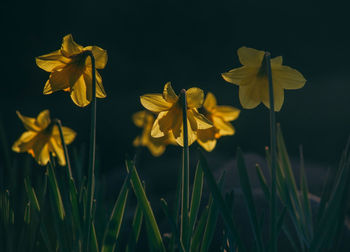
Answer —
54 209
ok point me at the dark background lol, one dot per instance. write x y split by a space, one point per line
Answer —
188 43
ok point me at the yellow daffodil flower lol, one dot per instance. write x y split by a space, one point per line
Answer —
42 138
220 116
71 70
253 81
145 119
169 109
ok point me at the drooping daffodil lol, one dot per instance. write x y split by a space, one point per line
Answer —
71 70
169 109
42 138
145 119
252 79
220 116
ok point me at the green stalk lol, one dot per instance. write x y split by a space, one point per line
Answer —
91 171
185 173
273 213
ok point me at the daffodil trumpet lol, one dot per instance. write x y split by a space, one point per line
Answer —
273 208
185 172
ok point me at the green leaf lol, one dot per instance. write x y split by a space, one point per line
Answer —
248 196
198 233
145 205
31 194
56 191
219 201
113 227
136 229
196 197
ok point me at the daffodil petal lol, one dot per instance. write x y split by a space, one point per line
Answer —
81 92
169 93
225 128
288 77
227 113
52 61
142 118
201 120
28 122
250 57
57 148
155 102
250 95
278 94
156 132
156 148
209 102
100 91
206 139
179 133
43 119
69 47
25 142
40 149
100 56
277 61
240 76
68 134
170 119
195 97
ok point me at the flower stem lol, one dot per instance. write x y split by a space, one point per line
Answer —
273 213
91 171
65 149
185 173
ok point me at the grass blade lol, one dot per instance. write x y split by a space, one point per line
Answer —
248 196
136 229
219 201
113 227
31 194
56 191
145 205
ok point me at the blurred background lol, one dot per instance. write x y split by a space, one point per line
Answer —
188 43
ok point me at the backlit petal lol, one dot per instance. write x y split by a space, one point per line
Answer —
68 135
225 128
170 119
25 142
195 97
57 148
240 76
100 56
169 93
250 57
209 102
287 77
156 132
278 94
142 118
277 61
28 122
206 138
40 149
227 113
100 91
201 120
155 102
81 92
250 95
43 119
156 148
52 61
69 47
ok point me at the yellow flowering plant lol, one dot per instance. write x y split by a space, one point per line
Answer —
145 119
71 70
252 79
170 116
42 138
220 116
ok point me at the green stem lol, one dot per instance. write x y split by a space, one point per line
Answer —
185 172
91 172
65 149
273 213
